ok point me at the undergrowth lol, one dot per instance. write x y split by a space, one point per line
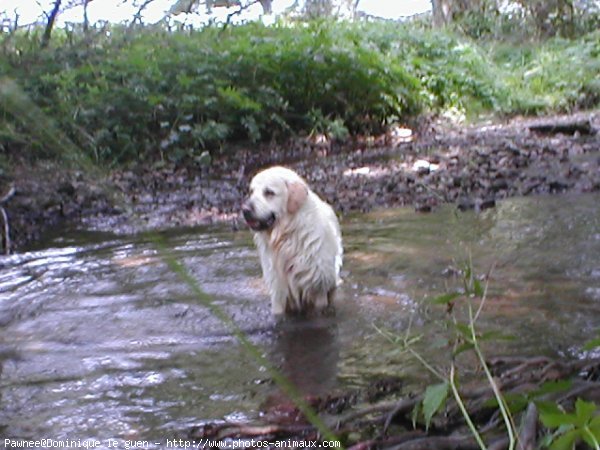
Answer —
129 95
562 428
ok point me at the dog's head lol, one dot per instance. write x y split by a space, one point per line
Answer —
275 193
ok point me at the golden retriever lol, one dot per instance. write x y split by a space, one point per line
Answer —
298 240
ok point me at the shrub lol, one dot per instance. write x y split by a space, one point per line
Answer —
126 94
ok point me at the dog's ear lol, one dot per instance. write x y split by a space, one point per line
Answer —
297 193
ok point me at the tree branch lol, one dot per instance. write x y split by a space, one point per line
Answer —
239 11
50 24
138 15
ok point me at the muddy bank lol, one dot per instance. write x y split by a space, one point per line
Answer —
472 166
47 195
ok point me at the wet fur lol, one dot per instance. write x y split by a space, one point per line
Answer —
301 251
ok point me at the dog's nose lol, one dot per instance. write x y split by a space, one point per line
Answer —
247 210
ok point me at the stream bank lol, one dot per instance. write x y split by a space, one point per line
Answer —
470 166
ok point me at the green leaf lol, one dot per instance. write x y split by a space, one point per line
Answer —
444 299
584 411
566 441
439 342
204 159
496 335
591 345
546 441
590 437
545 407
477 288
464 330
594 425
434 398
552 387
554 420
463 348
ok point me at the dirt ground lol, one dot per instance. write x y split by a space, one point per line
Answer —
470 166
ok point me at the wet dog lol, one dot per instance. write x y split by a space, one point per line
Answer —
298 240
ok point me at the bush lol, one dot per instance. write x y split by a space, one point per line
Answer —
126 95
175 94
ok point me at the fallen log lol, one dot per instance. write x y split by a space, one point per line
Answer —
583 127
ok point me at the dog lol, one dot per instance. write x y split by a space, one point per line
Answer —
298 239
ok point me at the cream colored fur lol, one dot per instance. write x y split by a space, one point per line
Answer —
300 247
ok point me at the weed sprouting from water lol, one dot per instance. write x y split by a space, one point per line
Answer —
583 424
251 349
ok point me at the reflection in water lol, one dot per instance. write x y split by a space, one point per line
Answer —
309 352
99 339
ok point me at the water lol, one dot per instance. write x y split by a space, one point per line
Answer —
99 339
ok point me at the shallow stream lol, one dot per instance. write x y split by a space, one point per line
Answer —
99 339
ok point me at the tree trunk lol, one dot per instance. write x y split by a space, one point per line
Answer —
442 12
50 24
266 6
317 9
86 21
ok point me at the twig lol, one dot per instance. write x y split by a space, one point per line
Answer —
383 407
528 432
499 444
403 406
579 389
512 360
522 366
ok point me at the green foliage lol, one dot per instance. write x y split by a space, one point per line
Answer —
148 93
434 399
582 424
592 344
518 402
557 75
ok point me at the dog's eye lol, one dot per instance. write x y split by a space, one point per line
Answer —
268 193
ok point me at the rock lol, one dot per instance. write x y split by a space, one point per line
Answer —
66 188
421 167
558 185
423 207
465 203
485 204
499 183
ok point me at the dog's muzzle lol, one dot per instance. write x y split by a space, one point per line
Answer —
254 222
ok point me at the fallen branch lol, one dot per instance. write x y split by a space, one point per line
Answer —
528 431
577 126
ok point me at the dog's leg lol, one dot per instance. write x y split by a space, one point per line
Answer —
278 297
321 302
329 309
